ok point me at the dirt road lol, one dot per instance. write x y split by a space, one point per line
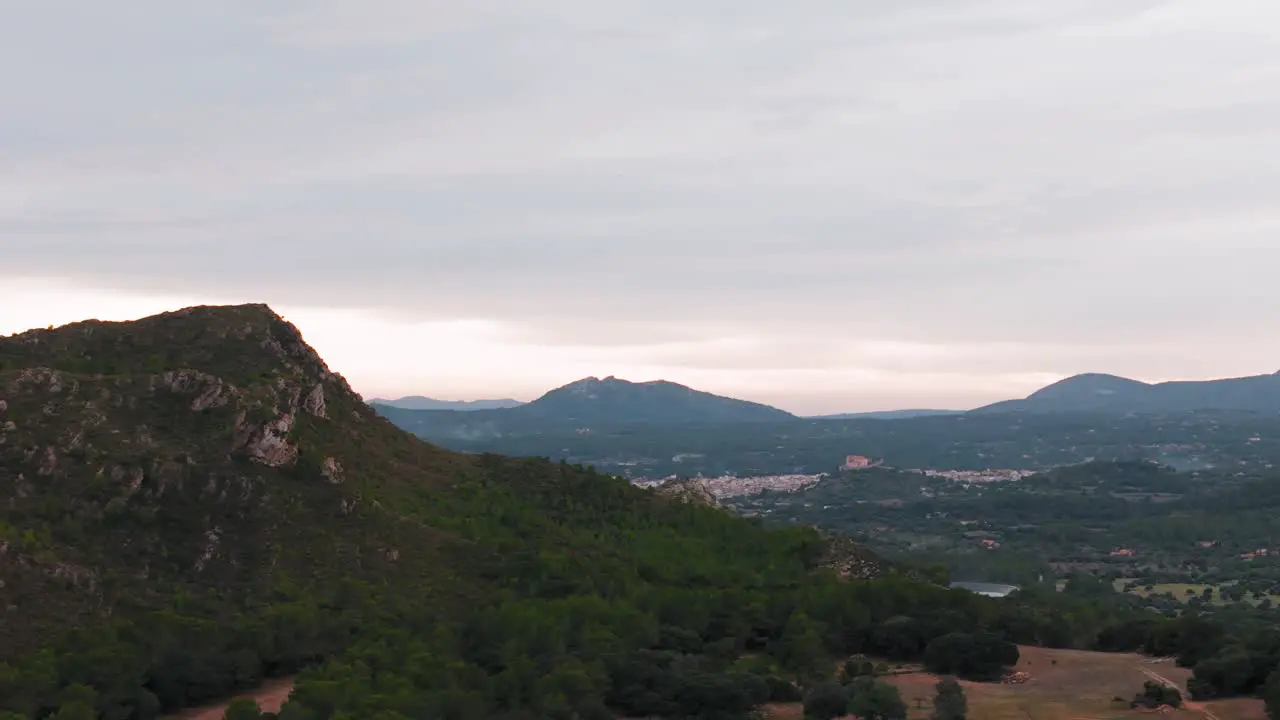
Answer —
271 696
1188 704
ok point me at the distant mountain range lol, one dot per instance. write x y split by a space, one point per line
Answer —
1096 392
611 403
587 404
418 402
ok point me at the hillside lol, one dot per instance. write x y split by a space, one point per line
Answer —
590 404
1109 393
418 402
193 502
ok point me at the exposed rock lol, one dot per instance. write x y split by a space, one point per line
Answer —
393 554
212 391
270 445
211 539
331 469
314 402
10 426
3 406
691 491
49 463
81 577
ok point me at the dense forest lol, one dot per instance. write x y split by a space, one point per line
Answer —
193 503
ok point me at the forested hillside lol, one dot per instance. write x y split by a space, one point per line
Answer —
193 502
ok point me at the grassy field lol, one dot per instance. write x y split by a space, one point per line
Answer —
1179 591
1064 685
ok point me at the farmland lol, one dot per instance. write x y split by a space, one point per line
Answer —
1064 685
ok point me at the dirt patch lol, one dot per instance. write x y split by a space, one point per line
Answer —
1063 685
271 697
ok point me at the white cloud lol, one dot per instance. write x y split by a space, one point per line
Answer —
1060 186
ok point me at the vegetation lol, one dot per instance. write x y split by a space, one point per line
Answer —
949 702
1155 694
1192 441
863 697
195 503
981 657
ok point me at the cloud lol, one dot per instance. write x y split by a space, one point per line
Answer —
1040 187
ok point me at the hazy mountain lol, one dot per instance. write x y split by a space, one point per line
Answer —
592 400
886 415
1094 392
586 404
418 402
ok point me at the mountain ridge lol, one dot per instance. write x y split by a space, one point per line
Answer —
1094 392
421 402
586 404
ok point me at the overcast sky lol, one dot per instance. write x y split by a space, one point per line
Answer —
830 205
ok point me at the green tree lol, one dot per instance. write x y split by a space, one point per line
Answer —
856 667
825 702
800 649
873 700
1271 694
980 656
243 708
949 702
293 710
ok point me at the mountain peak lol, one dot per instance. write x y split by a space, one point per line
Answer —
614 400
1089 383
241 344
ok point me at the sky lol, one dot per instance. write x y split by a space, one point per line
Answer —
830 206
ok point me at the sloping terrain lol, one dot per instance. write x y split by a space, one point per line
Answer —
198 498
208 450
1095 392
586 405
193 503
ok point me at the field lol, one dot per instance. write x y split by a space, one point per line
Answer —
1179 591
1064 685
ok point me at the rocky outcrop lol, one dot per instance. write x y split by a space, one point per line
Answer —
210 391
849 559
331 470
48 462
37 378
693 490
267 444
314 402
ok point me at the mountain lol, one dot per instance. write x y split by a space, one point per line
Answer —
592 400
586 405
194 501
886 415
418 402
1095 392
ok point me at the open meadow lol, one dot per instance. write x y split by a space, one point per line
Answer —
1064 685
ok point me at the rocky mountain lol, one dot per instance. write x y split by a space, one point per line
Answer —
585 405
205 450
418 402
194 501
1096 392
